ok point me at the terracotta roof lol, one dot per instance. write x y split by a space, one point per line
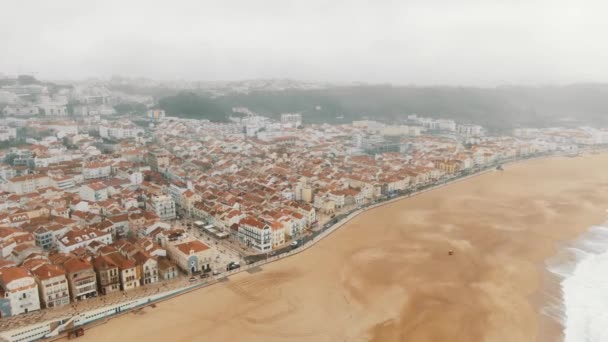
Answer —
192 246
9 274
250 221
27 177
74 264
47 271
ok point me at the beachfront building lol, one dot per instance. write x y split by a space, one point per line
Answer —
166 269
278 234
192 256
147 268
107 274
18 292
128 274
255 234
52 285
81 277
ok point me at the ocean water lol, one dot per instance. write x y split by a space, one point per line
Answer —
581 302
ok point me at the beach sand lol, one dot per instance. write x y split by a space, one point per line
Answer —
387 275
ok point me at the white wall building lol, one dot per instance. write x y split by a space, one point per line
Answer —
255 234
52 285
96 170
77 238
18 292
191 256
29 183
163 206
156 114
7 133
94 192
119 131
470 130
292 120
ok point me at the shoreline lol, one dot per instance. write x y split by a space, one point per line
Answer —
562 267
335 247
348 219
188 288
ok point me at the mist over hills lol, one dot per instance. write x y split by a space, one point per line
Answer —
497 108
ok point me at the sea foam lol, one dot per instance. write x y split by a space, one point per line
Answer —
581 268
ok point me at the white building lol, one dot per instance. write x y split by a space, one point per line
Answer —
54 109
119 131
255 234
401 130
7 133
28 184
20 110
63 182
6 172
278 234
94 192
191 256
18 292
470 130
63 128
136 178
156 114
52 285
95 110
447 125
163 206
292 120
96 170
77 238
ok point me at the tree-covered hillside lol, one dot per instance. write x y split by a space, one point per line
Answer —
496 108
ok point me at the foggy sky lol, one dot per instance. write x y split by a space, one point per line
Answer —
467 42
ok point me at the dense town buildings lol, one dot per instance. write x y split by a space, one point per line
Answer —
93 203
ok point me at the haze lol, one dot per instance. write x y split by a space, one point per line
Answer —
427 42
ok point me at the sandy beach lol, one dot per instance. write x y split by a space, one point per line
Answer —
387 275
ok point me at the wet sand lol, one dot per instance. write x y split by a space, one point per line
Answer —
387 275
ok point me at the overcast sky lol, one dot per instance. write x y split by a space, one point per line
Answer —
455 42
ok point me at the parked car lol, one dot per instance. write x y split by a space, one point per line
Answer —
204 275
233 266
295 244
192 279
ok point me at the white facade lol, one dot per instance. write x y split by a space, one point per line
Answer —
163 206
81 238
52 285
119 131
136 178
470 130
54 109
20 110
7 133
20 291
292 120
191 256
255 234
96 170
156 114
28 184
94 192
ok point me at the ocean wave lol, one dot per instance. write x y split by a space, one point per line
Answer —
581 304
